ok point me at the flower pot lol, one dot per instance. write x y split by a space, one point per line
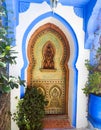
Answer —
94 110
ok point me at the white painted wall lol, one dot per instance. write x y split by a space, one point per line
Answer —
76 23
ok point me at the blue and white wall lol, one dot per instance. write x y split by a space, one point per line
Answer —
29 16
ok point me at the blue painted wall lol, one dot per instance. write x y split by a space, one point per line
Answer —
88 8
82 8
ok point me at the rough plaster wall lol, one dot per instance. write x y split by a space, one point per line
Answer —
77 24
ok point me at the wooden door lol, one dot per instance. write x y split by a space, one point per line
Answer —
48 55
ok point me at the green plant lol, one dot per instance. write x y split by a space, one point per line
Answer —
93 84
7 54
30 110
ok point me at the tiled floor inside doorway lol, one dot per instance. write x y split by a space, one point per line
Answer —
56 121
67 129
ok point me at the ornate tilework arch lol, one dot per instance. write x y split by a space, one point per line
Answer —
54 73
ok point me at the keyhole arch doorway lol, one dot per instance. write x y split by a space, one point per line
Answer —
49 42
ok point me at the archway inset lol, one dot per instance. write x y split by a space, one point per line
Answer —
50 42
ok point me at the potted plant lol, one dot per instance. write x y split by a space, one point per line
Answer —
30 110
93 90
